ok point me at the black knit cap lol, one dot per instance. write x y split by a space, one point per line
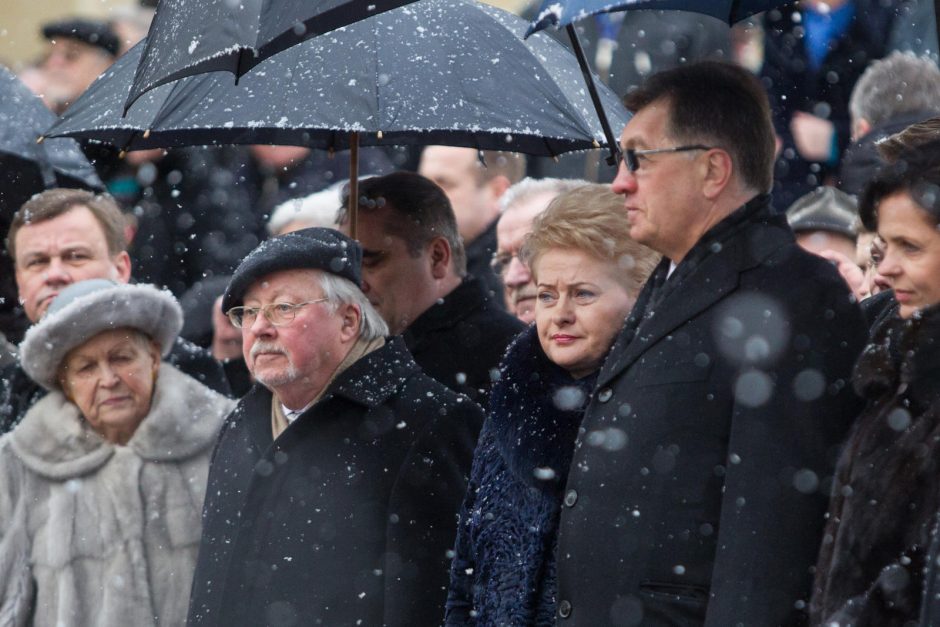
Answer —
316 248
92 32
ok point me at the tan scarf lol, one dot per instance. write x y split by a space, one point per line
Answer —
359 350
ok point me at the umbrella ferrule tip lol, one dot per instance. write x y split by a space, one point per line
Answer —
40 139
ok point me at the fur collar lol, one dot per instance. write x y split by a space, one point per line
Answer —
54 440
903 358
536 410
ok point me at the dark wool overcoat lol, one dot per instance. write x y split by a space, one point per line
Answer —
504 569
696 495
348 517
886 492
461 339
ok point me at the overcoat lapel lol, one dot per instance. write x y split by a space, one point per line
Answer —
710 272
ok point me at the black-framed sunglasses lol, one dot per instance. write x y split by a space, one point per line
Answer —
631 156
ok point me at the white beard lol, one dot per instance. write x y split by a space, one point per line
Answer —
274 379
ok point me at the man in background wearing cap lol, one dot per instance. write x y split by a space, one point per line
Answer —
335 483
80 50
824 222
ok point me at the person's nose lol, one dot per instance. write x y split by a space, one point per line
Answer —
516 273
625 181
56 273
563 314
889 267
261 326
109 376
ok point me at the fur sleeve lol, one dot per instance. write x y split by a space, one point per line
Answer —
16 581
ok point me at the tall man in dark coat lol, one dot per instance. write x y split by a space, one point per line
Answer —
335 483
697 491
414 273
60 237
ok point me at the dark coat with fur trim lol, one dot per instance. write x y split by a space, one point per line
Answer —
887 487
504 569
348 516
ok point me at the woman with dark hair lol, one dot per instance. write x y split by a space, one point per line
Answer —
588 273
886 492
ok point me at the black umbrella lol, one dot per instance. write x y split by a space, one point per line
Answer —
26 168
23 117
188 37
564 12
436 72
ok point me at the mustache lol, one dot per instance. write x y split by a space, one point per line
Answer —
265 347
527 291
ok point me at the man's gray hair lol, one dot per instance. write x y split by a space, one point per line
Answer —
529 187
900 83
341 291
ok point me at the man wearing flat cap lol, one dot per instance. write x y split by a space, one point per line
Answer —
335 483
80 50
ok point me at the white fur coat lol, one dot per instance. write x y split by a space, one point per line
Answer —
93 533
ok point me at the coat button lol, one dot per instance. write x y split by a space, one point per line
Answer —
605 395
564 609
571 498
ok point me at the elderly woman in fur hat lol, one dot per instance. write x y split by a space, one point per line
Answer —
886 492
588 273
102 483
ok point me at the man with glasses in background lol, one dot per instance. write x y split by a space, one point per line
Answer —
698 489
335 483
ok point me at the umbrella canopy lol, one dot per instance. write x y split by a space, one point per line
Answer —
25 164
563 12
436 72
189 37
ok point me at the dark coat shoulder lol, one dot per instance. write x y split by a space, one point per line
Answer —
348 516
461 339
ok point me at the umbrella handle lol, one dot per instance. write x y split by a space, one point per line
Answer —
353 185
612 143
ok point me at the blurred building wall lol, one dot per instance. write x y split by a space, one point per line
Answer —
20 20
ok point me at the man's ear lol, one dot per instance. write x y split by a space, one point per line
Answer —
351 317
440 255
122 267
718 170
498 185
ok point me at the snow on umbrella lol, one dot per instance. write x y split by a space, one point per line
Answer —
564 12
436 72
23 117
189 37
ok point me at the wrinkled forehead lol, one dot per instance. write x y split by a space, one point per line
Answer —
293 285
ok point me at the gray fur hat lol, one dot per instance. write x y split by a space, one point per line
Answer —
85 309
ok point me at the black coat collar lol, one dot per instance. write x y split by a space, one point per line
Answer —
368 382
710 270
904 359
463 301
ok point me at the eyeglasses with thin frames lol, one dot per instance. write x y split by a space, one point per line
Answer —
278 314
631 156
501 260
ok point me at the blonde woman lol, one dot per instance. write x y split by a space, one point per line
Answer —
588 273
